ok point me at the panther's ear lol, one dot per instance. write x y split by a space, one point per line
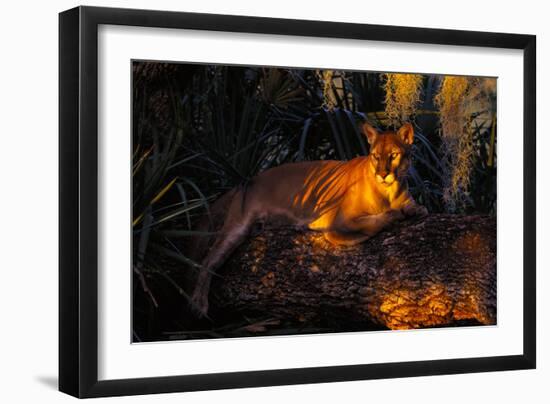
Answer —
369 132
406 133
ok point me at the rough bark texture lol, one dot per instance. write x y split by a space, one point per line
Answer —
435 271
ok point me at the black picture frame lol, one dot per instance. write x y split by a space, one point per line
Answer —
78 203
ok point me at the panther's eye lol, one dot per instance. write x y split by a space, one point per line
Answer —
394 156
376 156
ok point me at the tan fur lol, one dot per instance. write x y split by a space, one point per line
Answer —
348 201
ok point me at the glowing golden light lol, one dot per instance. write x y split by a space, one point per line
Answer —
404 309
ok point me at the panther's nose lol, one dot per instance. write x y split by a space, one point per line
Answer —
385 178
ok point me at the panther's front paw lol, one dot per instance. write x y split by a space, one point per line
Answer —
421 211
395 215
414 210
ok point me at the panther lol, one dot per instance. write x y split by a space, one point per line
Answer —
348 201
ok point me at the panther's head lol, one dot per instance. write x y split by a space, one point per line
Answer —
389 158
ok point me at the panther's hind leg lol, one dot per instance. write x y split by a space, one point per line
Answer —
232 234
361 228
345 239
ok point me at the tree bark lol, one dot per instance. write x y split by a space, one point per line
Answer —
435 271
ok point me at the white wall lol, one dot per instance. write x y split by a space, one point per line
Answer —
28 173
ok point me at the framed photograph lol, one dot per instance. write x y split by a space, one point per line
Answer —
252 201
